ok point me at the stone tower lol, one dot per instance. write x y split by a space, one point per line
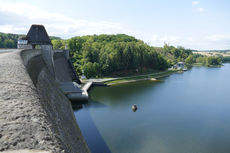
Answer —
37 36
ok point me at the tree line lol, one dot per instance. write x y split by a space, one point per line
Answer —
8 40
109 55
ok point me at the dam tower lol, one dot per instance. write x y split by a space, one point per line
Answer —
37 37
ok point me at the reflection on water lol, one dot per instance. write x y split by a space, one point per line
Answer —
184 113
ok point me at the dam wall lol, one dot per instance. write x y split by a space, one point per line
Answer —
37 115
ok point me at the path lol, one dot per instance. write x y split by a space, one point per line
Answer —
20 107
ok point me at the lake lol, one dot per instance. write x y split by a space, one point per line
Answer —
182 113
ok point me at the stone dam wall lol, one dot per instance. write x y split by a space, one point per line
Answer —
36 114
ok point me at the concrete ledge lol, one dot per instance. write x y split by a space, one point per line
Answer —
26 151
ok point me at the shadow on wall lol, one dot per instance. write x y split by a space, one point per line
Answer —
55 103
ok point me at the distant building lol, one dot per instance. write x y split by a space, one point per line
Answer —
180 65
83 76
23 43
37 36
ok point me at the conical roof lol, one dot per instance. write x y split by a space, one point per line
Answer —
37 35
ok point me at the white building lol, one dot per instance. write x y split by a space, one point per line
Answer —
23 44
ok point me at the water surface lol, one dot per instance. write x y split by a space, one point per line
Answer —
183 113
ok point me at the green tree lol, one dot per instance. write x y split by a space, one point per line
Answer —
213 60
57 44
9 43
189 60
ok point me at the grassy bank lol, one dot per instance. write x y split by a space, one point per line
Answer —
197 64
152 76
201 64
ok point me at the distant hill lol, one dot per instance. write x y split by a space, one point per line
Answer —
120 55
227 50
8 40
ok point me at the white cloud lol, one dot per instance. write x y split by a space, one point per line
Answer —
200 10
197 9
11 29
190 39
161 40
17 18
23 15
216 41
194 3
218 37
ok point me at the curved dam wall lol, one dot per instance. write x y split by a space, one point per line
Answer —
54 102
52 125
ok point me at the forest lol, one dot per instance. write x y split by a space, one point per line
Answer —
122 55
8 40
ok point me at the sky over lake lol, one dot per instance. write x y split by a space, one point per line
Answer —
201 25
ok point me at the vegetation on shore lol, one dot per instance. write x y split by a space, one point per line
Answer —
209 61
119 55
114 55
8 40
122 55
223 55
151 76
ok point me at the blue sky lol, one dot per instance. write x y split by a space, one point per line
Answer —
202 24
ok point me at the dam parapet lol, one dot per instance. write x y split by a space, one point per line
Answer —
58 62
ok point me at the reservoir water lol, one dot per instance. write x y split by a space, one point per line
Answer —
182 113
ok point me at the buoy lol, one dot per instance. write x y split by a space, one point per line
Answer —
134 107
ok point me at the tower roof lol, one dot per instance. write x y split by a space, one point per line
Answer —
38 35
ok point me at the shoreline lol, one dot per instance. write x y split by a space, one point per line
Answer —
151 77
143 77
120 80
129 81
135 78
